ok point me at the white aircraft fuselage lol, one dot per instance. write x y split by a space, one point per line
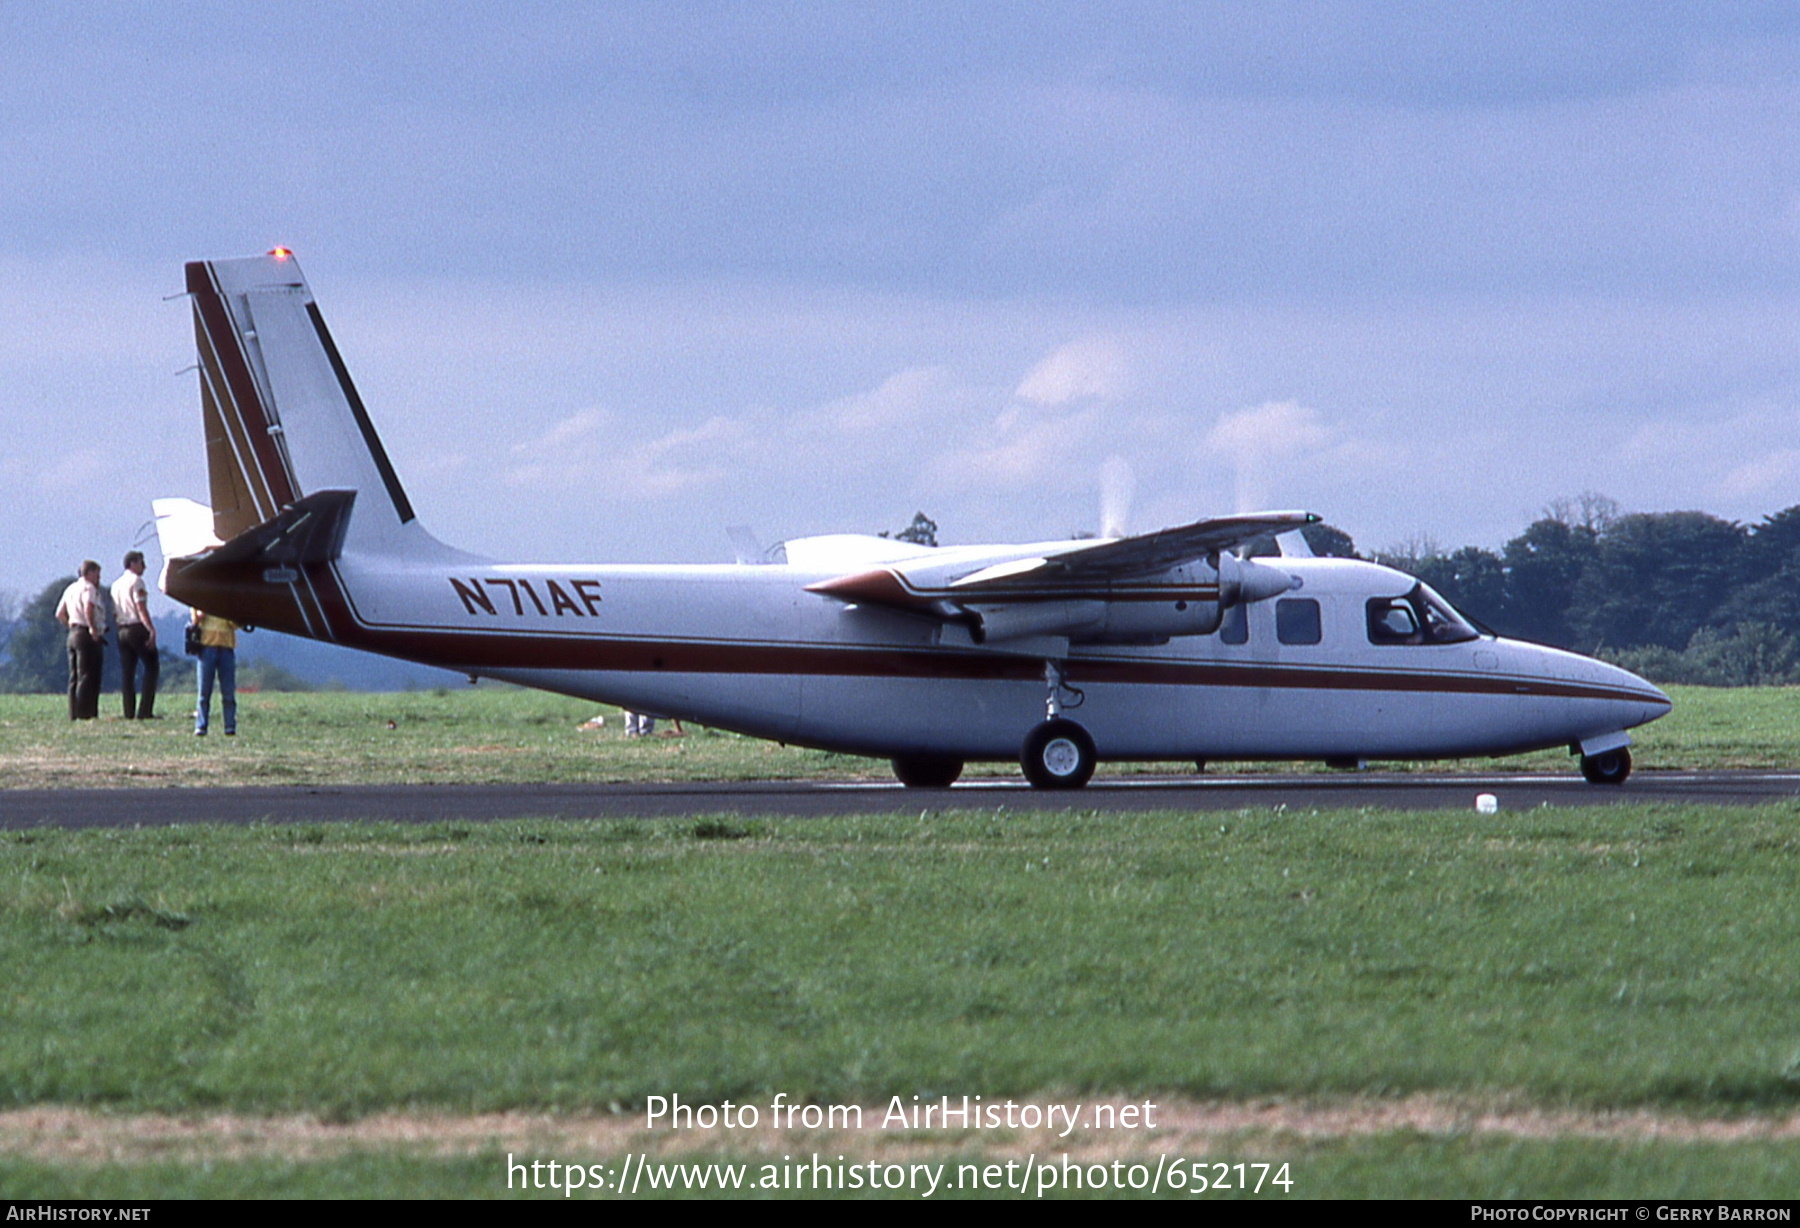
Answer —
1161 647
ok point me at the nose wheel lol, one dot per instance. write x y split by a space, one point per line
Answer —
1058 754
1607 768
927 771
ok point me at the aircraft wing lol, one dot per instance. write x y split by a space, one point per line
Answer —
1071 570
1129 557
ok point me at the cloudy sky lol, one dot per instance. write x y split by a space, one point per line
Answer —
613 277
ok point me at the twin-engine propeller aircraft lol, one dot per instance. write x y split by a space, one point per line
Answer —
1165 646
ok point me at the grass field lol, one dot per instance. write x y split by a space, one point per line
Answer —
501 735
1614 965
1577 1003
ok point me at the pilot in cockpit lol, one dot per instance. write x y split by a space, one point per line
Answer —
1420 617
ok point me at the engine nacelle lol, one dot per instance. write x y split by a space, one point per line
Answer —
996 623
1180 601
1242 581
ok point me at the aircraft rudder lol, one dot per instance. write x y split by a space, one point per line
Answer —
249 477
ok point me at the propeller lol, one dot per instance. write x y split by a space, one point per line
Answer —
1117 485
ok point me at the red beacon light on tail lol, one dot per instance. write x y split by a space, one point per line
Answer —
282 253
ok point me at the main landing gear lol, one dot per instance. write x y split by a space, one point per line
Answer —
1609 767
927 771
1057 754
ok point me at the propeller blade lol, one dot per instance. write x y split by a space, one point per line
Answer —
1117 485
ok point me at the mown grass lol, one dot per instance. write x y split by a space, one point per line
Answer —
1608 957
484 735
1615 957
502 735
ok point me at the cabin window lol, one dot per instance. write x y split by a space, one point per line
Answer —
1297 621
1420 617
1234 628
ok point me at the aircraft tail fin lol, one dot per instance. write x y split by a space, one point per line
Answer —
283 420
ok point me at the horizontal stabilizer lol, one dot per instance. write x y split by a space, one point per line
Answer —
184 528
309 531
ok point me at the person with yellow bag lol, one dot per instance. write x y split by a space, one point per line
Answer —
218 664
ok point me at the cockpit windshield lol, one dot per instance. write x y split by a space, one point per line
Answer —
1420 617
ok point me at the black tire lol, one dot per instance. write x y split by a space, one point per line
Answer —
1058 754
1607 768
927 771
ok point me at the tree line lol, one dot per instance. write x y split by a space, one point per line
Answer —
34 657
1675 596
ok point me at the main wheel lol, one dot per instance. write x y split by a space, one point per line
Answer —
1607 768
927 771
1058 755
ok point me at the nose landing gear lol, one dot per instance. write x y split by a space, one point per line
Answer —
927 771
1607 768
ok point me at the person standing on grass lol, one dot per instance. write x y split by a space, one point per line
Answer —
137 639
83 611
218 662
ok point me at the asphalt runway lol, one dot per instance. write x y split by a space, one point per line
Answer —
78 808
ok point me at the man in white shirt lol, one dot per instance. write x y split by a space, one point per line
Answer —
137 639
83 611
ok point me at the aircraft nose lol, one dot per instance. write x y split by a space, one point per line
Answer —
1648 701
1615 698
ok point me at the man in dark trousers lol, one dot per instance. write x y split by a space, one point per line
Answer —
83 611
137 639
